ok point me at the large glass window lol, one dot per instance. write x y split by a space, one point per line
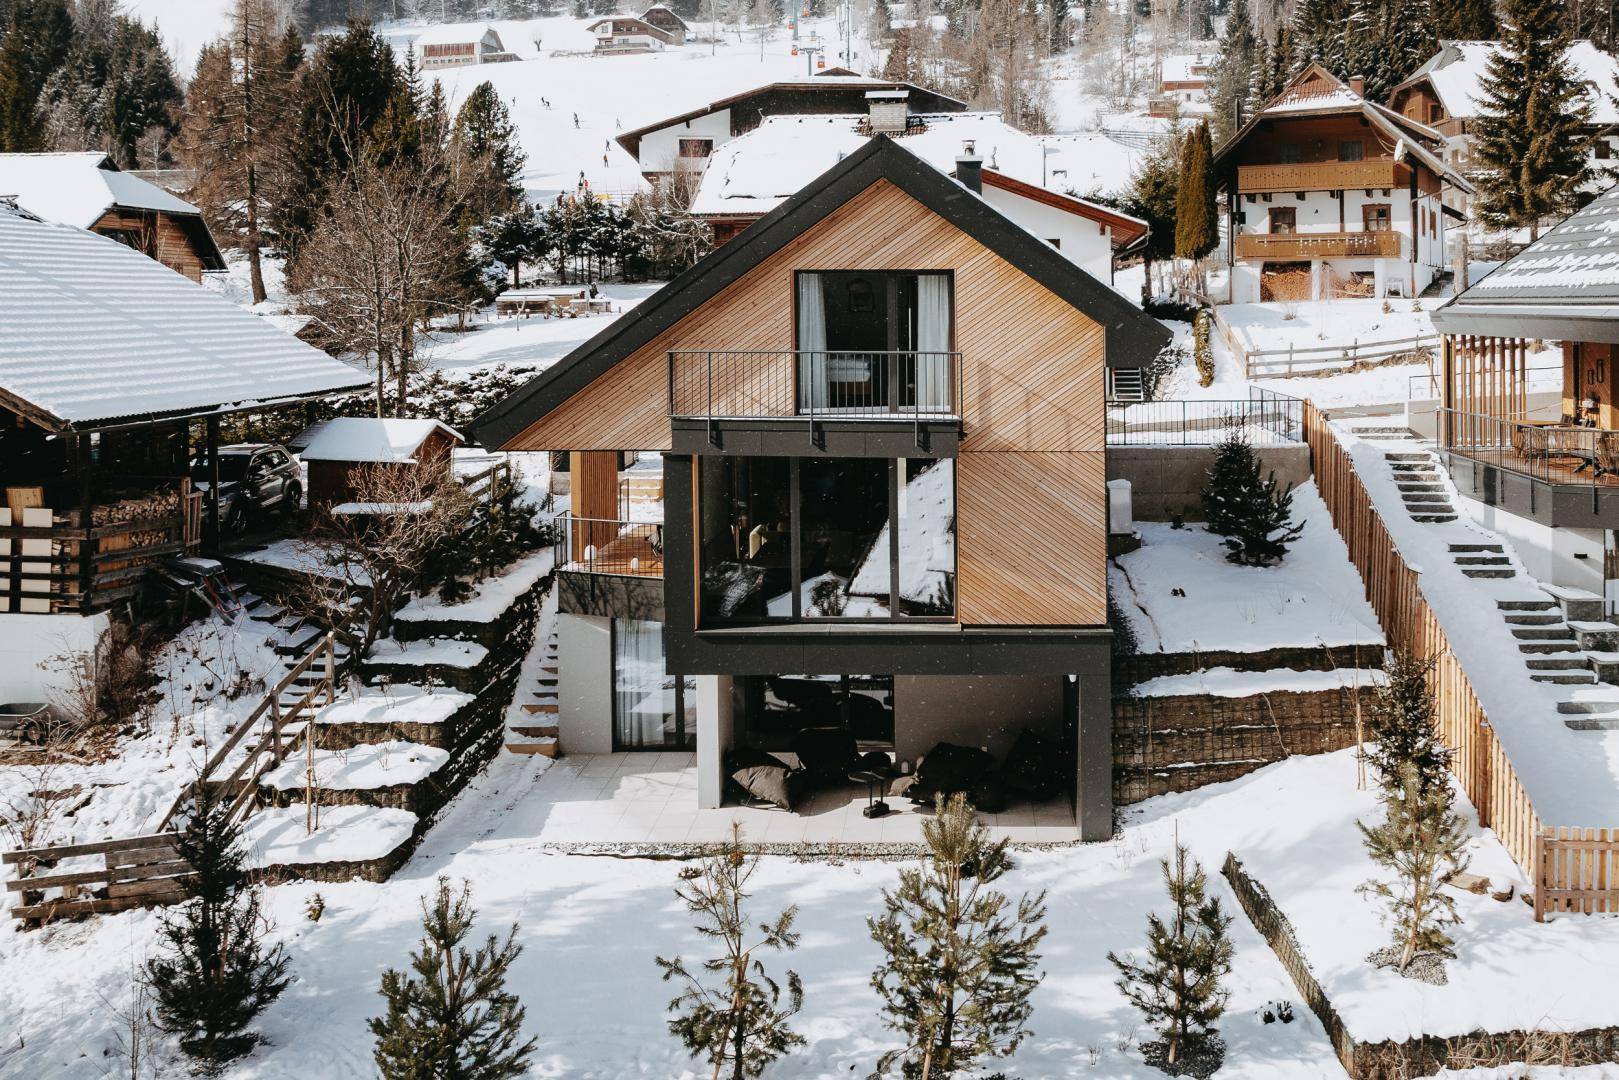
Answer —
873 341
826 538
652 710
775 709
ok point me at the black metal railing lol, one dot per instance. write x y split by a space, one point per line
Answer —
1562 454
751 384
603 546
1266 417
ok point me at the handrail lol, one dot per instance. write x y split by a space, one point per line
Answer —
1562 454
1266 416
610 546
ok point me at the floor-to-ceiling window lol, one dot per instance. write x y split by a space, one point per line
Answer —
774 709
874 341
652 709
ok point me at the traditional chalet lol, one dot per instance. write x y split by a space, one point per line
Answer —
667 21
1329 194
1446 94
334 449
88 191
1542 468
460 45
1183 84
691 137
618 34
753 174
881 419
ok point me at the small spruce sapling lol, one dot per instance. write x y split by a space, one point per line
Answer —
739 1022
1403 727
451 1017
1179 988
213 974
959 959
1245 508
1419 844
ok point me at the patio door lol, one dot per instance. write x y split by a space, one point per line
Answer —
652 709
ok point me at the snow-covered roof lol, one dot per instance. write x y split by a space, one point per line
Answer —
1457 70
94 331
454 34
77 188
1186 67
752 173
372 439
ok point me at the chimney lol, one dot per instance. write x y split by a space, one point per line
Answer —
889 111
1357 84
970 168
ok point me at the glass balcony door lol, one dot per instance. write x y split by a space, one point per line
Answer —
873 342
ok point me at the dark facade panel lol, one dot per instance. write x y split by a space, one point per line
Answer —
884 648
1568 506
798 437
614 596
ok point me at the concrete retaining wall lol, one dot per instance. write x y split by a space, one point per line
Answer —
1166 481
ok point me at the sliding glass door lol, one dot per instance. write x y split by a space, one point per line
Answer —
652 710
873 342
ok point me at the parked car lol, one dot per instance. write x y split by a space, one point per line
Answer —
254 478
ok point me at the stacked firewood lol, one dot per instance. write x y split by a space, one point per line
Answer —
151 504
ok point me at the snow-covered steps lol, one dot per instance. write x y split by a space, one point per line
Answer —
1577 604
391 773
1424 495
1596 636
368 842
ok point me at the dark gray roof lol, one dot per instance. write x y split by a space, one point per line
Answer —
1132 338
1565 285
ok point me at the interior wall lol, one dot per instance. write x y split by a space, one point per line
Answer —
974 710
585 683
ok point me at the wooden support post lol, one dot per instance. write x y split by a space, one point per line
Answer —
85 463
211 448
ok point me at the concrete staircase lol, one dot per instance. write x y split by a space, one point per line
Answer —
536 732
1416 474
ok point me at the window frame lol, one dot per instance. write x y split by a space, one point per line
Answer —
1273 219
1384 211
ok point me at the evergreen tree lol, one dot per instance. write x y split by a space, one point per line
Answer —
959 960
1404 729
1233 75
739 1024
1197 214
1464 20
1179 988
1419 844
1530 144
213 975
451 1017
1154 197
486 138
35 42
1253 516
1317 35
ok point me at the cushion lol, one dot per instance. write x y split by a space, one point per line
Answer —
989 795
827 754
766 777
948 769
1036 767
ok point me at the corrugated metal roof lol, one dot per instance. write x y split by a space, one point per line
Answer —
1578 259
92 332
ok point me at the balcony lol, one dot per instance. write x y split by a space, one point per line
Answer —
600 546
1556 474
1319 176
1291 247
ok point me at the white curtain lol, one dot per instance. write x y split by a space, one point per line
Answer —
933 342
811 343
642 702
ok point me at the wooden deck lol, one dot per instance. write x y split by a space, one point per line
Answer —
632 554
1570 469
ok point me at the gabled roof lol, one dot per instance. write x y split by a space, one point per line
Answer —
921 99
1126 229
1456 72
95 334
1315 91
662 10
78 188
641 24
455 34
374 439
1133 338
1564 286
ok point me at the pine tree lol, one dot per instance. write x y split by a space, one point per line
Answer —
740 1023
1419 844
451 1017
1233 76
486 142
1153 197
1464 20
1318 35
959 960
1530 143
213 974
35 42
1253 516
1179 988
1403 726
1197 215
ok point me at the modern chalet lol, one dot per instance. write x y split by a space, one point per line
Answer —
460 45
687 140
1446 92
1542 468
880 411
1329 194
89 191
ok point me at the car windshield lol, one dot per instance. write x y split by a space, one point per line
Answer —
232 467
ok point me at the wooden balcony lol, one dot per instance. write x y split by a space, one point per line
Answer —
1298 247
1320 176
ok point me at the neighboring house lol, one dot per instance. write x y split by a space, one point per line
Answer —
89 191
1183 84
460 45
1544 472
667 21
688 140
880 412
113 373
1327 193
335 449
753 174
617 34
1446 93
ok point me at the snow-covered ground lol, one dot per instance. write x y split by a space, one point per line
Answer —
535 340
1312 597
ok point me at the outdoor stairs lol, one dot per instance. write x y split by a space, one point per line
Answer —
291 639
1562 634
1423 491
537 732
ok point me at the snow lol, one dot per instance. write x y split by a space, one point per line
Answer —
95 330
927 541
535 341
1317 323
1090 163
360 768
490 597
184 26
1229 682
1313 597
372 439
277 836
77 188
1458 83
400 704
445 652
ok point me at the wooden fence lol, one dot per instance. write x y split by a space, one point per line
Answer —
1333 359
1573 869
135 872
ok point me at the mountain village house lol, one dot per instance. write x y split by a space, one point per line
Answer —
1183 84
460 45
753 174
670 23
622 34
880 414
1329 194
88 191
690 138
1446 93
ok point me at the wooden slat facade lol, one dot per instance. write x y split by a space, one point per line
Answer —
593 495
162 238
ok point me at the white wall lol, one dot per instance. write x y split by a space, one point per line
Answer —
660 148
1083 241
35 650
1551 556
585 683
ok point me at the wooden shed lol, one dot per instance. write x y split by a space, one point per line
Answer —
334 450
